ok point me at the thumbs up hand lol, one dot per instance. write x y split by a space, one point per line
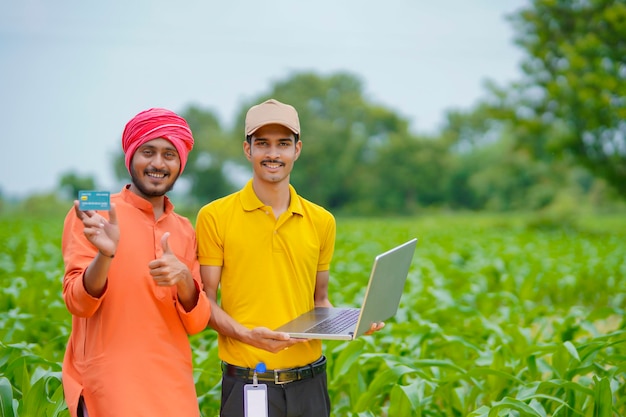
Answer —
168 270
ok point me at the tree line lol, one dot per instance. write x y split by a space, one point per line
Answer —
554 138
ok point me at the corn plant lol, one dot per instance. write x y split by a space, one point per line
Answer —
513 315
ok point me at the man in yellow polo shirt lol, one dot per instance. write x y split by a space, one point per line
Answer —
269 250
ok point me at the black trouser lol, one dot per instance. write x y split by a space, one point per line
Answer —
81 407
304 398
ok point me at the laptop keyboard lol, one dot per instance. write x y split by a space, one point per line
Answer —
338 323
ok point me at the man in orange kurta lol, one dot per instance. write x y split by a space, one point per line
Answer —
133 287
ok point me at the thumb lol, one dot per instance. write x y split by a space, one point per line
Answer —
164 244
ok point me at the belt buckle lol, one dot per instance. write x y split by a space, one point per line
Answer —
276 379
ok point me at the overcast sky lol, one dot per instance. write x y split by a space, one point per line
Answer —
73 72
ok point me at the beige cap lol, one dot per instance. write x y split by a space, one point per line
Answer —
272 112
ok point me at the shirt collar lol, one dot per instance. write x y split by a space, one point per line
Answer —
251 202
143 204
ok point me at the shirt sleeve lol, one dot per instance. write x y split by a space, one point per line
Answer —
78 253
210 243
327 248
197 319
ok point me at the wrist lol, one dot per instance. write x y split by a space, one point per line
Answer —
247 336
105 255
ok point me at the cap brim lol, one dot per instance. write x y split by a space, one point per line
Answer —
273 122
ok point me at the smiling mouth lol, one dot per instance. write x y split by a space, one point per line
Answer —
272 164
156 175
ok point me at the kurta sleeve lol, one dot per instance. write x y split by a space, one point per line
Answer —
197 319
78 253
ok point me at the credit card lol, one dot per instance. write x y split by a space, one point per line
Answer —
94 200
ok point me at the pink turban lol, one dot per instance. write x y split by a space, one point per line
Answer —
157 123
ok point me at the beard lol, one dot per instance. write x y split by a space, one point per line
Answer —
149 193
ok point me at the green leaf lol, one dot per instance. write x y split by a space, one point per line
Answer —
482 411
405 399
569 346
603 397
380 384
508 403
346 359
501 374
6 398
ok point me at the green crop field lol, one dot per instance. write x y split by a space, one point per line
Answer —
513 315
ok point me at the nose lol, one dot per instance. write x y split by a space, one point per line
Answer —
158 161
273 152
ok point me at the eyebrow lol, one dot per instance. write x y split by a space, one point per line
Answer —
286 139
167 148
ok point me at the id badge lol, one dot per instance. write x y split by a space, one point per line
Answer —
255 400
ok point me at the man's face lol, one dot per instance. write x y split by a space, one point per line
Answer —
272 151
154 168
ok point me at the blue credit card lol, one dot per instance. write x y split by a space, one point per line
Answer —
94 200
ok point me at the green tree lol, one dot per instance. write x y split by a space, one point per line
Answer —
572 100
71 183
409 173
215 152
43 205
342 133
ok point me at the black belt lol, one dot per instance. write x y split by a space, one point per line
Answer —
277 376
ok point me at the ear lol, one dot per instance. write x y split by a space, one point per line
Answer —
247 149
298 149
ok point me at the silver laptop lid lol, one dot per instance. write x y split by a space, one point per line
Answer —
385 287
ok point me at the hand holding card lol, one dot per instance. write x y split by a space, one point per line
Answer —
101 229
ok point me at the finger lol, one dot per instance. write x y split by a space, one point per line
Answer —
159 278
92 219
79 213
157 267
285 345
164 243
112 214
92 231
377 326
270 334
281 336
82 214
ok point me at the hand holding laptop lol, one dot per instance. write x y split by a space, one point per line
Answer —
381 301
375 327
271 340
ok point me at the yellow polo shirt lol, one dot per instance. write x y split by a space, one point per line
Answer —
268 268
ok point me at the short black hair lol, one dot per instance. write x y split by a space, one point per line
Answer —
296 138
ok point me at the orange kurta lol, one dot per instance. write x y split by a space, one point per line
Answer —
128 353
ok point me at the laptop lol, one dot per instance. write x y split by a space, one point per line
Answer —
381 301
